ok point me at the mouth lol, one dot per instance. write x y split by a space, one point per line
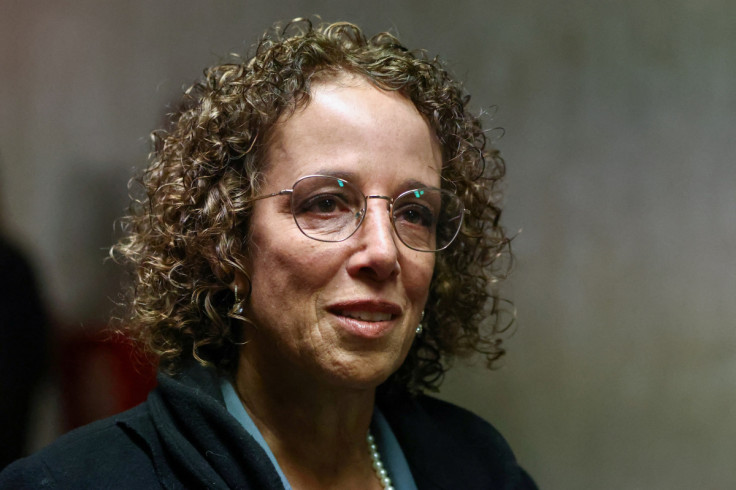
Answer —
367 316
367 319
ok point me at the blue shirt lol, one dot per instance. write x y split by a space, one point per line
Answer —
391 454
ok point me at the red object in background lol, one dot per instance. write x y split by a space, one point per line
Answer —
100 374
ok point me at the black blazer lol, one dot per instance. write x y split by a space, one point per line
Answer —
183 437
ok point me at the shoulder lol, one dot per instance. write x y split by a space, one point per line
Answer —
463 425
97 455
472 453
440 409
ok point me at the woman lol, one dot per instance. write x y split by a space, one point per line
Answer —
317 241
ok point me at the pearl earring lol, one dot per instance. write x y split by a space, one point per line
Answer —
420 327
238 306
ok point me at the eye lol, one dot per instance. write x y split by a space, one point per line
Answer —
415 214
324 204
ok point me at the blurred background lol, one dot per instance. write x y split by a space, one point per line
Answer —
619 123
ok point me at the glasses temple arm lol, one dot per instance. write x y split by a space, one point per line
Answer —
273 194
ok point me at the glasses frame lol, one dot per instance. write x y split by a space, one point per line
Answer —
390 206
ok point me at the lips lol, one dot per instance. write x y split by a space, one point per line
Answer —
367 316
366 319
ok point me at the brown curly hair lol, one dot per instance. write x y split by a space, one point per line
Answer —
188 234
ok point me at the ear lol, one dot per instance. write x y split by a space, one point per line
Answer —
241 281
229 270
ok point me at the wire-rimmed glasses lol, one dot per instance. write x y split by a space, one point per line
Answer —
331 209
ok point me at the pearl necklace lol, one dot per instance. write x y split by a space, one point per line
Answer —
381 472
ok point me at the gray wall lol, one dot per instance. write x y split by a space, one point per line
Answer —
619 120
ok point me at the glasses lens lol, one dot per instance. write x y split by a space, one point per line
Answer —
326 208
428 219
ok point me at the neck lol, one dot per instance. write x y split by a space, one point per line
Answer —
317 432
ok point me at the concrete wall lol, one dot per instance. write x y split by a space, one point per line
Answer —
619 119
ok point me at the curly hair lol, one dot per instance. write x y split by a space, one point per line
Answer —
187 234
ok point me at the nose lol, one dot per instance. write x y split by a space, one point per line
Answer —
376 254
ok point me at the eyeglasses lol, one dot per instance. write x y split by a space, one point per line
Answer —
330 209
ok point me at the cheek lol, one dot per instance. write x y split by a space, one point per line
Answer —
288 273
419 277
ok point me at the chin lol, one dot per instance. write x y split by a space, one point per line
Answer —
362 374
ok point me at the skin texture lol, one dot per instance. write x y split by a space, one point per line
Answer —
303 347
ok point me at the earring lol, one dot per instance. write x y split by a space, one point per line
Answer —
420 327
238 306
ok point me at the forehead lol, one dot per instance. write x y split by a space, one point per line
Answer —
350 126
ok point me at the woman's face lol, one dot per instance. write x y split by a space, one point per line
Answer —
340 314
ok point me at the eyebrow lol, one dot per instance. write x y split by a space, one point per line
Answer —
416 184
340 174
352 177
